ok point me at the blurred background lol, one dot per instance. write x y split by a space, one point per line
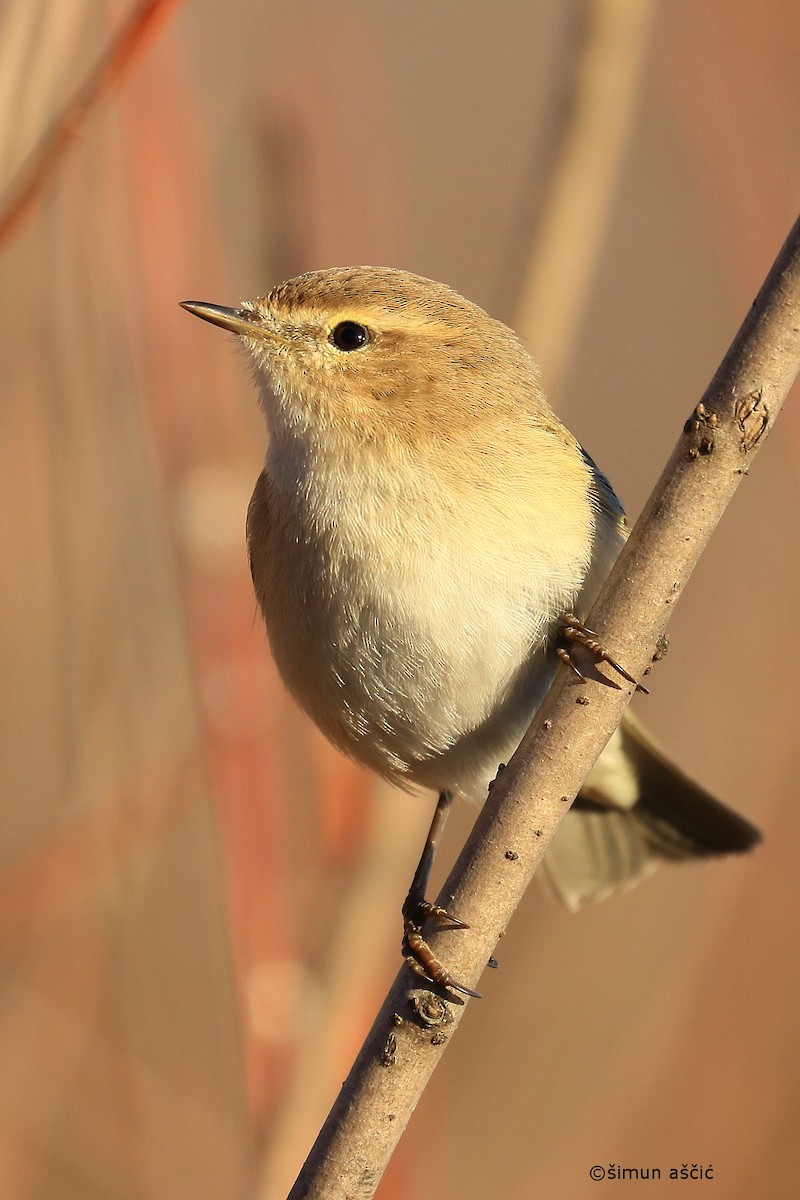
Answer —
185 865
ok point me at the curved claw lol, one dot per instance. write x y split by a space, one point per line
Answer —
440 977
574 631
416 951
420 910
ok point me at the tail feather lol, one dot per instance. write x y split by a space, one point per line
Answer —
674 811
619 829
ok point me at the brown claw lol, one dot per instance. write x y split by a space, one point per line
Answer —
573 631
417 953
418 911
422 961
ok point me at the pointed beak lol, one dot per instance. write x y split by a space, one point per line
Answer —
238 320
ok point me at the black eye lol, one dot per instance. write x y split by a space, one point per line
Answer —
349 335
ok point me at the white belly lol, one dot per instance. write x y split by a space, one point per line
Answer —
413 642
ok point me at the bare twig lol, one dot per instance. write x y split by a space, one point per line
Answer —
568 734
129 43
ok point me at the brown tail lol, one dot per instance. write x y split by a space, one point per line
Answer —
602 847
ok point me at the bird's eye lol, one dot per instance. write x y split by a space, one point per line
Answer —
349 335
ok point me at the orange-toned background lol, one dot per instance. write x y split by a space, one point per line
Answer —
186 867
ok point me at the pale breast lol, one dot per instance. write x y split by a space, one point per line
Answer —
407 615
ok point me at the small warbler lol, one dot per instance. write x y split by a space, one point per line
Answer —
421 527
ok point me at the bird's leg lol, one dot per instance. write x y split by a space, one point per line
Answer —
416 910
571 630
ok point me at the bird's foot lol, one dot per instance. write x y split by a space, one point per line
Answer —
571 630
417 953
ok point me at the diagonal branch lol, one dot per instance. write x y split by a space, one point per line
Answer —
568 733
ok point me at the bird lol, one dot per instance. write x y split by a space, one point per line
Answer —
424 536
